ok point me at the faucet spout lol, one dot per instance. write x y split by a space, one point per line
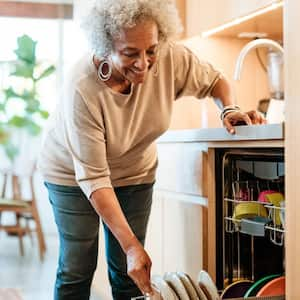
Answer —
252 45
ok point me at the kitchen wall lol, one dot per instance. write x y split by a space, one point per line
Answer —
190 112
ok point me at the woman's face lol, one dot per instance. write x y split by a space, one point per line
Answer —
135 51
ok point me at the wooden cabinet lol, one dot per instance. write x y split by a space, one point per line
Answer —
190 160
202 15
174 238
182 229
292 144
154 238
222 49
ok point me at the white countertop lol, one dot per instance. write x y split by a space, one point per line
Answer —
243 133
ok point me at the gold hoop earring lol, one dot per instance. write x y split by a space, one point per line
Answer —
104 76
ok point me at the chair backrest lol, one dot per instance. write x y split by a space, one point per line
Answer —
3 185
18 197
17 186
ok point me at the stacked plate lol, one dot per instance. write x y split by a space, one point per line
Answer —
206 283
178 286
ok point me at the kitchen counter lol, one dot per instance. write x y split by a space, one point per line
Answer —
268 132
185 156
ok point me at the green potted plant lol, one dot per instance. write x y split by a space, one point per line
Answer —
20 105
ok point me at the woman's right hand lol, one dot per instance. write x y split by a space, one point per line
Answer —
139 267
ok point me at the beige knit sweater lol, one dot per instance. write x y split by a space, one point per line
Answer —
101 138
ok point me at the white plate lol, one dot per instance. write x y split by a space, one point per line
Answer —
200 292
166 291
208 286
174 281
191 288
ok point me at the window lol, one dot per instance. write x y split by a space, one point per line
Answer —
59 41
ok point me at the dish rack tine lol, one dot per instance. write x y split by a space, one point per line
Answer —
230 227
277 238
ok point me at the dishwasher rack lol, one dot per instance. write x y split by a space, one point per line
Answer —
255 226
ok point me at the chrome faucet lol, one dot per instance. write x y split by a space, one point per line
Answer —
252 45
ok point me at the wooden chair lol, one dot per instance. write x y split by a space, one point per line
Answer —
24 209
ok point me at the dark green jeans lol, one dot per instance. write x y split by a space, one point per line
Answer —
78 228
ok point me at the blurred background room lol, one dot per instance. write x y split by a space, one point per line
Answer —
40 41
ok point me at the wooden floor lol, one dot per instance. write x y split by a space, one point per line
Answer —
32 278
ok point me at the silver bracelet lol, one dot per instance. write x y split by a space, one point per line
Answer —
228 109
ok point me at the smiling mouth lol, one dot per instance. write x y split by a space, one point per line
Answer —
139 72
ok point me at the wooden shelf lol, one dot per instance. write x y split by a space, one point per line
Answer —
270 23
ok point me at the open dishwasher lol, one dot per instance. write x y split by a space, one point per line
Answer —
250 218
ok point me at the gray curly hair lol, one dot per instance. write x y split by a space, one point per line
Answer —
107 17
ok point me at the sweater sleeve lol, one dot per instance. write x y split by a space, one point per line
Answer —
85 139
193 77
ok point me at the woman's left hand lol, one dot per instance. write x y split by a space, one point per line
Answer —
242 118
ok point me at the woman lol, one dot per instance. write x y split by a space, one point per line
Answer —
99 157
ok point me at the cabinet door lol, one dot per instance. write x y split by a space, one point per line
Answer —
154 237
181 170
174 238
202 15
101 286
182 237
